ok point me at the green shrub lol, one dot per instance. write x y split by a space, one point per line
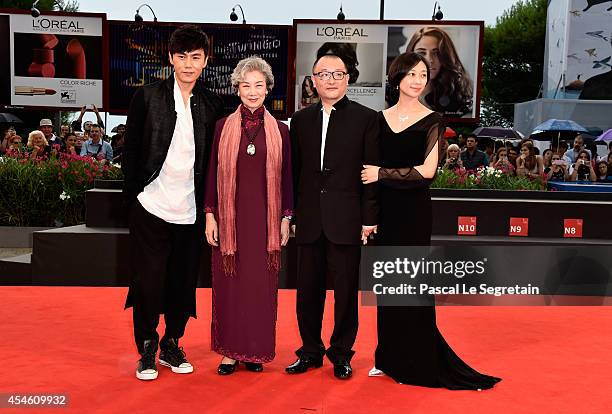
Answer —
41 192
486 178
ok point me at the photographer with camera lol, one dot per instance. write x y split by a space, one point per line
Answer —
558 169
573 153
453 160
76 124
583 170
501 162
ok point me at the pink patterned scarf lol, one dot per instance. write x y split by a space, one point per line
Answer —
229 145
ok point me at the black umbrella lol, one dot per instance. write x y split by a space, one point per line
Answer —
6 118
497 132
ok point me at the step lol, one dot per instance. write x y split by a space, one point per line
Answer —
94 256
546 214
16 271
104 208
81 256
449 240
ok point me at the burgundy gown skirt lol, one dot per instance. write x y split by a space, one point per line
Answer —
244 305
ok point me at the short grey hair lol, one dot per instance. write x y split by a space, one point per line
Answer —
253 64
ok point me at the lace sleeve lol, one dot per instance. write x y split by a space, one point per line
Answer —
409 177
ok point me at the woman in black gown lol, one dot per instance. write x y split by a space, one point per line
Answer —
411 349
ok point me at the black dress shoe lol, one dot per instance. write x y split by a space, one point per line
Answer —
302 364
343 370
227 369
253 366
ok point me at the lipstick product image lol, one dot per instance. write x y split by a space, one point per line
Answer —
76 57
31 91
43 63
48 41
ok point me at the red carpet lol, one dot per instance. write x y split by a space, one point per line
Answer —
78 341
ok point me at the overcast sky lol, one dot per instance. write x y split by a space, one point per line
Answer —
284 11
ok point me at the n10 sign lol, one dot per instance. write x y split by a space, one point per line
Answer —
466 226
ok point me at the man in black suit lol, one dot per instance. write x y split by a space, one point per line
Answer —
335 213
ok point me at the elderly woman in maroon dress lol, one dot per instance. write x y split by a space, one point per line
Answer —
248 203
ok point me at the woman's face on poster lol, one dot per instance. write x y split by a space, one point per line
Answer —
308 87
428 48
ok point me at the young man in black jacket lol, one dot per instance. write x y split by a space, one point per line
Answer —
170 126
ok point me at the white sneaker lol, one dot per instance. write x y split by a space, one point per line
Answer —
375 372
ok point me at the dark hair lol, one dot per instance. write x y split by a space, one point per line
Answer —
472 136
453 80
585 152
343 51
544 155
308 80
70 134
188 38
531 160
403 64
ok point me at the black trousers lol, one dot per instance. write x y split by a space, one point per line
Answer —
165 264
341 263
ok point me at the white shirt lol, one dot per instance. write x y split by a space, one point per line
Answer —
324 132
573 155
171 196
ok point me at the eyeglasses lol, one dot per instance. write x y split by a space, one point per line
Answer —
337 75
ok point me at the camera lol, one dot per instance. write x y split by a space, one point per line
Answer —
452 165
582 168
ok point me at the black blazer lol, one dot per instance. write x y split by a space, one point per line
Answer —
150 127
334 201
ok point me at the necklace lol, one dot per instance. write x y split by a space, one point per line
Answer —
250 150
402 118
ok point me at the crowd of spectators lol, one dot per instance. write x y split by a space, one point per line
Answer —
85 139
579 163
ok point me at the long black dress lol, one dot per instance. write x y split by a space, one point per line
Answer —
416 353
